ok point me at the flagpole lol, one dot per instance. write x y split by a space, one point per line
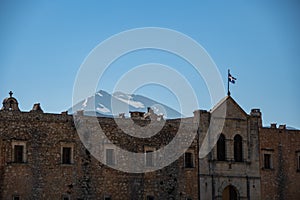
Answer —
228 91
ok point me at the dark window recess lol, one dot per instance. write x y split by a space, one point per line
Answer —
19 151
150 197
267 161
66 155
107 198
238 148
221 148
149 158
298 162
110 157
66 198
16 198
188 160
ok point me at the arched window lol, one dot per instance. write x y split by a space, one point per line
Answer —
238 148
221 148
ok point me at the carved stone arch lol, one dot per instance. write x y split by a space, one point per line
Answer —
230 192
226 184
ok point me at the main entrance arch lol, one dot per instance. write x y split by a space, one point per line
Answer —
230 193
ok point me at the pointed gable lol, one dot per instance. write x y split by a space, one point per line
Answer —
229 106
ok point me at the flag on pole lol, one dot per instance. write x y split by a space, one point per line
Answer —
231 79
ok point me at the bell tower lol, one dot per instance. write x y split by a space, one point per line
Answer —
10 103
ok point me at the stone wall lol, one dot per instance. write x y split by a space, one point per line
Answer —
281 180
43 176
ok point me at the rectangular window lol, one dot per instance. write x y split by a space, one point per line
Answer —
66 155
16 197
188 160
19 153
298 161
107 198
110 157
149 158
149 197
267 161
65 197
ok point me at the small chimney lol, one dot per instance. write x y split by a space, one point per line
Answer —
274 125
64 113
255 112
80 112
37 108
282 126
136 115
122 115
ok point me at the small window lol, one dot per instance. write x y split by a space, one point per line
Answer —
110 157
149 197
298 161
19 151
107 198
16 197
65 197
66 155
221 148
189 198
267 161
149 158
188 160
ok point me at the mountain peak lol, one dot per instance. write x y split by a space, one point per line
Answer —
106 104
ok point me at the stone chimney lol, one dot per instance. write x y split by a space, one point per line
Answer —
122 115
80 112
37 108
64 113
256 113
282 126
273 125
136 115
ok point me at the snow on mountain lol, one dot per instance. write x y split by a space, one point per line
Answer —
102 108
109 105
128 99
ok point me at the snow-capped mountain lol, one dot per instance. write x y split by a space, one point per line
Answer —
109 105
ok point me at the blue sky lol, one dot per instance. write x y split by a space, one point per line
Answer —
43 44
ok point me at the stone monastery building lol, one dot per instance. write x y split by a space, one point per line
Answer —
42 157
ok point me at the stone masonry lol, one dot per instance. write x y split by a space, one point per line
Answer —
42 156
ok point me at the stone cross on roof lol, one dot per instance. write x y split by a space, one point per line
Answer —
10 93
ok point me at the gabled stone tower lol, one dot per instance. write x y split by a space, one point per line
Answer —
231 169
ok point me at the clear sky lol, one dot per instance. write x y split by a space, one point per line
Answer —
43 44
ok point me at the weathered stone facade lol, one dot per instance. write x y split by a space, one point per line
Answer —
220 176
42 175
280 174
43 157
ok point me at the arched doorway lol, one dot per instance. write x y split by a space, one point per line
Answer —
230 193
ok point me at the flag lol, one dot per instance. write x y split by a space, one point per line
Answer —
231 79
